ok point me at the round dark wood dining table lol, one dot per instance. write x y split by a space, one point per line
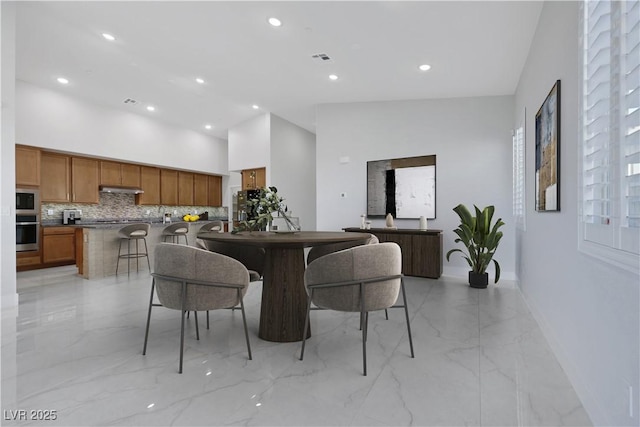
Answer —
284 298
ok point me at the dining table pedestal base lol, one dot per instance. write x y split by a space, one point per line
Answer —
284 298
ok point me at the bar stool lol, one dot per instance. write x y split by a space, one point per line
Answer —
175 231
133 232
212 226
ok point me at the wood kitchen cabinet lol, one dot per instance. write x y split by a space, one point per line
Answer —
200 190
58 245
168 187
84 180
55 171
254 178
215 190
150 183
27 166
185 188
119 174
28 260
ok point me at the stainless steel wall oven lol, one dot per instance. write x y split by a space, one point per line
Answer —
27 220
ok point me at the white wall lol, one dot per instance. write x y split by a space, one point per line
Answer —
293 169
588 309
9 297
249 144
56 121
471 138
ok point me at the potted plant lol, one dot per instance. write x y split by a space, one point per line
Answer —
264 205
481 240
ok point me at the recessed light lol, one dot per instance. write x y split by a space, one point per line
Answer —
62 80
333 77
151 108
199 80
255 107
424 67
108 37
208 127
275 22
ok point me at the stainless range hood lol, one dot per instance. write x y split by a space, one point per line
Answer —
120 189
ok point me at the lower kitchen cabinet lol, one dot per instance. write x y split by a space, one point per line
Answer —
58 245
27 260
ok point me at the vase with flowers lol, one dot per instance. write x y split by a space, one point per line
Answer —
263 206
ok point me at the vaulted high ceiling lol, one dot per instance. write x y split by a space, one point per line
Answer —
475 48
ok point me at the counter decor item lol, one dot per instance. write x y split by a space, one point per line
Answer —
264 203
389 222
481 240
423 223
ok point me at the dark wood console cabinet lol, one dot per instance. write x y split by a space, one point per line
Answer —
421 250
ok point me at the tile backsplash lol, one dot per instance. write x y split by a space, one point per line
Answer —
122 205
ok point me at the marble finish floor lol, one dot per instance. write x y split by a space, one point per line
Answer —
75 347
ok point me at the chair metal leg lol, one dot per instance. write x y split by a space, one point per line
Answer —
184 306
137 257
195 316
146 249
146 332
386 314
128 257
118 263
306 324
363 315
207 319
244 322
406 313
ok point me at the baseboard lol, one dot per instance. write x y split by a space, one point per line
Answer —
9 302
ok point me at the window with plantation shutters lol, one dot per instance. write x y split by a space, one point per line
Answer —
610 148
518 178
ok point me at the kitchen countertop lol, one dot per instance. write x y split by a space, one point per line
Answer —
121 223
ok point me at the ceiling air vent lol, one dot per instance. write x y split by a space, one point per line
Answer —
130 101
321 57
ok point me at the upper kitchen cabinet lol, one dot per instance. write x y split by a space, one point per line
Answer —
150 183
27 166
56 178
84 180
119 174
254 178
215 191
185 188
168 187
130 175
200 190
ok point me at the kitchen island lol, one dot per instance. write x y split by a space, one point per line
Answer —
97 247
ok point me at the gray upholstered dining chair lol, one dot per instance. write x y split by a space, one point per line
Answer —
251 257
322 250
360 279
192 279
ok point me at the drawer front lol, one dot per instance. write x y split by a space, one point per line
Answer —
51 231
